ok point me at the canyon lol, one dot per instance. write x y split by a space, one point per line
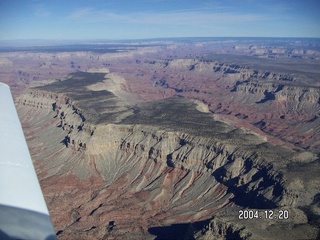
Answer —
173 139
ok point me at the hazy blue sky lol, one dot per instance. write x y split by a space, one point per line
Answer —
136 19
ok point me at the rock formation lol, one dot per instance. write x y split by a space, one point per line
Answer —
126 161
179 137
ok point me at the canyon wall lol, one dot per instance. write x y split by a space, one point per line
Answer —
141 176
174 137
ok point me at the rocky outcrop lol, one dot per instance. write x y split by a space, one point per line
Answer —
219 229
279 98
236 71
164 176
70 118
124 153
278 92
270 51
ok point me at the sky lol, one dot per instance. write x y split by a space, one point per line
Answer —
142 19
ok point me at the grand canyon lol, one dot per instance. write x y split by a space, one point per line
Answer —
191 138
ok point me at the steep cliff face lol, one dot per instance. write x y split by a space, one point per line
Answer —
145 175
175 149
122 152
279 92
280 100
219 229
296 110
233 71
286 51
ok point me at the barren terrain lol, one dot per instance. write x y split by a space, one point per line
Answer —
172 139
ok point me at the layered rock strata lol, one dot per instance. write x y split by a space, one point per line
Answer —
141 166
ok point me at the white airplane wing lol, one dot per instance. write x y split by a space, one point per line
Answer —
23 211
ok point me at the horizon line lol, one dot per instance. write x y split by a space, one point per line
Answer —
147 38
7 42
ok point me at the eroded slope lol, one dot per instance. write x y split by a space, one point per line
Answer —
102 158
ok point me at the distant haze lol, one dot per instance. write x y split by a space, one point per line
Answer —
141 19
